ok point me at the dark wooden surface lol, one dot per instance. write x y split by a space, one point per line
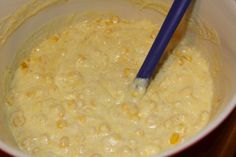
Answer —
220 143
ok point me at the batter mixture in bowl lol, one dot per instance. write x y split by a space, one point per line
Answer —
67 97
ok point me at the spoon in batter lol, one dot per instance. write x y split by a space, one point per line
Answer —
166 32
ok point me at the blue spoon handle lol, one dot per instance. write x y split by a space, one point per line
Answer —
167 30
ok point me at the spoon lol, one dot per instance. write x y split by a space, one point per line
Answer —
166 32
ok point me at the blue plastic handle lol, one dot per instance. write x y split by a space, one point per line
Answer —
167 30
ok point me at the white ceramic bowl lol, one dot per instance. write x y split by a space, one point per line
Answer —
219 14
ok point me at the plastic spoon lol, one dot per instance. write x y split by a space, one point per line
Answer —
166 32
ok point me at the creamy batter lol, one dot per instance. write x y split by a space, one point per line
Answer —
68 95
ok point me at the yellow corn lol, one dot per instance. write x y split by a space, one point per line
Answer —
9 100
109 30
125 50
65 33
24 66
30 93
131 111
35 151
96 155
135 94
92 105
98 20
175 138
178 53
103 128
18 119
183 58
82 118
71 104
81 58
140 132
188 58
124 107
61 114
64 142
115 19
55 39
108 21
61 124
181 61
153 34
126 72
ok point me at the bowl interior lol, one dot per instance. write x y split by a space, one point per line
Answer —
44 12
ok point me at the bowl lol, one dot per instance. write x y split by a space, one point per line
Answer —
21 18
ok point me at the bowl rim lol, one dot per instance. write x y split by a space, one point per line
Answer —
204 132
173 151
11 151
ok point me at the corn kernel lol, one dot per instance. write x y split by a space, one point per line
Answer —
134 118
108 21
92 105
112 140
204 116
153 34
180 128
81 58
127 72
61 124
9 100
71 104
65 33
132 143
131 111
61 114
98 20
125 107
134 93
178 53
186 92
64 142
82 118
54 39
30 93
18 119
58 110
44 138
104 128
115 19
175 138
96 155
180 61
125 51
24 66
109 30
151 149
183 58
82 149
140 132
126 150
188 58
35 151
152 122
25 143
